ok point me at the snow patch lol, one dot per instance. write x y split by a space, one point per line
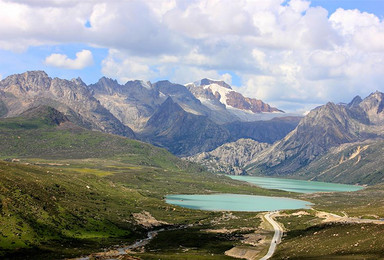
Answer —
146 84
221 90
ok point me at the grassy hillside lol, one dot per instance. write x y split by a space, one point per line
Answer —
72 191
334 241
366 203
308 238
46 133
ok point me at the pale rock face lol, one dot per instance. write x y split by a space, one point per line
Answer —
31 89
373 106
230 158
132 103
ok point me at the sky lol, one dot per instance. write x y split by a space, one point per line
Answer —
292 54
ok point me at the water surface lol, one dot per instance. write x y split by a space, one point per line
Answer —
236 202
300 186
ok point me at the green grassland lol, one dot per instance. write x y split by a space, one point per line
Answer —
365 203
73 191
334 241
308 238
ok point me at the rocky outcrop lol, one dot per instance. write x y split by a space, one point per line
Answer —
373 106
355 102
132 103
72 98
207 82
230 158
237 100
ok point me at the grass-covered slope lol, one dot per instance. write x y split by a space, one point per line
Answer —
73 191
334 241
44 132
39 205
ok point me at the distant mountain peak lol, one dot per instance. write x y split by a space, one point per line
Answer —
79 81
214 93
221 83
169 104
373 106
355 102
36 73
107 80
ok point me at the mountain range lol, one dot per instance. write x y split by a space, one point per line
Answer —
334 142
176 117
210 123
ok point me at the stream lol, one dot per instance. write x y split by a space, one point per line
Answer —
114 253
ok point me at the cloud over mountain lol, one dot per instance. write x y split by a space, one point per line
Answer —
285 52
83 59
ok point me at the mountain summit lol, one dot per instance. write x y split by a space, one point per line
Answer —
217 95
21 92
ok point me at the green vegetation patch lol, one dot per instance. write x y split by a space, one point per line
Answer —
190 243
368 202
298 220
3 108
333 241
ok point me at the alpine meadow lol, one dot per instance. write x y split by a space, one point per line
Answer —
183 130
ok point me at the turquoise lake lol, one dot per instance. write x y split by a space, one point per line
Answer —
236 202
251 203
300 186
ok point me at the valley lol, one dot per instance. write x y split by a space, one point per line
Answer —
86 170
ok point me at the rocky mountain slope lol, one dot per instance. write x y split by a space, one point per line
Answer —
324 127
230 158
136 101
181 132
21 92
268 131
360 162
132 103
110 107
340 143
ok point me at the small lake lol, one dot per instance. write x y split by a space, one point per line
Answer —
251 203
300 186
236 202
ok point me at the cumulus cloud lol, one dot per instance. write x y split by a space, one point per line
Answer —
286 52
83 59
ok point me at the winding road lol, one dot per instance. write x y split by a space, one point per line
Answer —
276 237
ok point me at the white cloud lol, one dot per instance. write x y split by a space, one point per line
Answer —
83 59
124 67
286 52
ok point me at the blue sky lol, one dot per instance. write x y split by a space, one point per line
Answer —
293 54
